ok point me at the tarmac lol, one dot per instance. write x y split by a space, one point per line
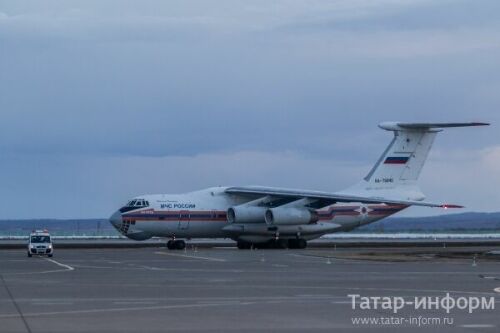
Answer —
353 242
222 289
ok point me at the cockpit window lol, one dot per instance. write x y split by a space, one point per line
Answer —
137 203
133 205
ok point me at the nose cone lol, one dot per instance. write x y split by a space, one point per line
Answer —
116 219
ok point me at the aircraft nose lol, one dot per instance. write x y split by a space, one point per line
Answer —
116 219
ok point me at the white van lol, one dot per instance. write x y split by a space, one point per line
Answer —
40 243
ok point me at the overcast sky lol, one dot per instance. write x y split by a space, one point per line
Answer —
101 100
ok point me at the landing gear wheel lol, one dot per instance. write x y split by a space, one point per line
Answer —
51 255
171 245
297 243
30 255
301 243
242 245
281 244
180 244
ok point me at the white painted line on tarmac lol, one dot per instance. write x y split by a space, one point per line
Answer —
68 267
222 302
104 310
478 326
497 290
151 268
94 267
191 257
135 303
52 303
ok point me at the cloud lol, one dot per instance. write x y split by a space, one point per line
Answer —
401 44
174 96
454 175
358 27
89 186
67 18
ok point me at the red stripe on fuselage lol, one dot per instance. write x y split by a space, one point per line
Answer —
221 216
175 216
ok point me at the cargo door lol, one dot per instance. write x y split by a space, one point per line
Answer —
184 218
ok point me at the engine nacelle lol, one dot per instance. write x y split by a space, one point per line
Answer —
246 214
290 216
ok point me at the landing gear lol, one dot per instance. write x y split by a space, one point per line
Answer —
242 245
280 244
29 254
176 245
297 243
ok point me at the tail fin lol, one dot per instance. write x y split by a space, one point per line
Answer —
396 173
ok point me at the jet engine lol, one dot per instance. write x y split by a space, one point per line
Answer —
246 214
290 216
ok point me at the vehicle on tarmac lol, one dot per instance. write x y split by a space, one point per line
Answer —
40 243
260 216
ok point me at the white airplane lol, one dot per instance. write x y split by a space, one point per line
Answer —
268 216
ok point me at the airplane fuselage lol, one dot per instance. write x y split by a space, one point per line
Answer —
203 214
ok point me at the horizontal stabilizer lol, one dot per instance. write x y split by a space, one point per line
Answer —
399 126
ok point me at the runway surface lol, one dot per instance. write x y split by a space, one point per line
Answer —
225 289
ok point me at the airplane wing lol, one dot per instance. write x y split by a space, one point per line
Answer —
301 194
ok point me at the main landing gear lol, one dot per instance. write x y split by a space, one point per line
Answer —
274 244
242 245
176 244
297 243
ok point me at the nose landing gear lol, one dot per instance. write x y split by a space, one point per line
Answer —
176 244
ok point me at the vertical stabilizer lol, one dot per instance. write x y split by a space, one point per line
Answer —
396 172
